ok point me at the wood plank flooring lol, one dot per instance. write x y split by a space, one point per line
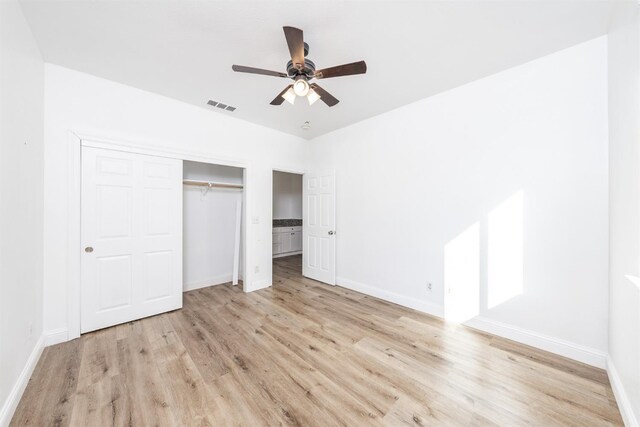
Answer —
304 353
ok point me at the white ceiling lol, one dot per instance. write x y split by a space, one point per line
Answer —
185 49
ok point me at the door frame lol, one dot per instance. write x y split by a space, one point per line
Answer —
300 172
74 179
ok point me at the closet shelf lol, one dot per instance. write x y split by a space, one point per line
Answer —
211 184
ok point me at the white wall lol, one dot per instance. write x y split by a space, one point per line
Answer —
624 200
21 186
87 104
209 225
411 181
287 195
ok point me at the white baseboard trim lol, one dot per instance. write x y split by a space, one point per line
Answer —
210 281
558 346
624 403
287 254
416 304
256 285
55 336
11 403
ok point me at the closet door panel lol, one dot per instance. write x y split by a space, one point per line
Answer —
161 237
108 223
132 237
158 275
113 281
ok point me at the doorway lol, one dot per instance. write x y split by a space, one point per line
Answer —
287 239
212 224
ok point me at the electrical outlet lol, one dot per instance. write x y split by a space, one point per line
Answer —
429 287
256 269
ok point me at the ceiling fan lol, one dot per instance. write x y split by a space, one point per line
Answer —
301 70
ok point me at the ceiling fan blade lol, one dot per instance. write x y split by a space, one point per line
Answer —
325 96
359 67
278 100
251 70
295 41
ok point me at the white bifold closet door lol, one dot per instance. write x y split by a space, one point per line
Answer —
131 237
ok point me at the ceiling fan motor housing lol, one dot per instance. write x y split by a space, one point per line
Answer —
309 67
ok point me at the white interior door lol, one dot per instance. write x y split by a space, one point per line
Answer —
131 237
319 220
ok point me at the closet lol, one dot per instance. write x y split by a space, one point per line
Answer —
153 227
212 218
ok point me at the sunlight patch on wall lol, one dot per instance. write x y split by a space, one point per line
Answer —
462 275
505 250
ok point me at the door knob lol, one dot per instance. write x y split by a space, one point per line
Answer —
331 233
88 249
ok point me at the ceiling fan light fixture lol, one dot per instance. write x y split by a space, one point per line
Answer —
301 87
290 96
301 69
312 96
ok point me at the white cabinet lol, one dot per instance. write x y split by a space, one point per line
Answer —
287 240
277 243
296 241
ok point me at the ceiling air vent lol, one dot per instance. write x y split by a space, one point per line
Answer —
221 106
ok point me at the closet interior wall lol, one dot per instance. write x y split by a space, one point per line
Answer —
209 225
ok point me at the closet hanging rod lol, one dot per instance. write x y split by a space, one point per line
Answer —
211 184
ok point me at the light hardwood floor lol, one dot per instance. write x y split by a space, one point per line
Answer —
304 353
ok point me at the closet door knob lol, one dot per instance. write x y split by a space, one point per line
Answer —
88 249
331 233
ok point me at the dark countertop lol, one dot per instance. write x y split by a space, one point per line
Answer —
287 223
